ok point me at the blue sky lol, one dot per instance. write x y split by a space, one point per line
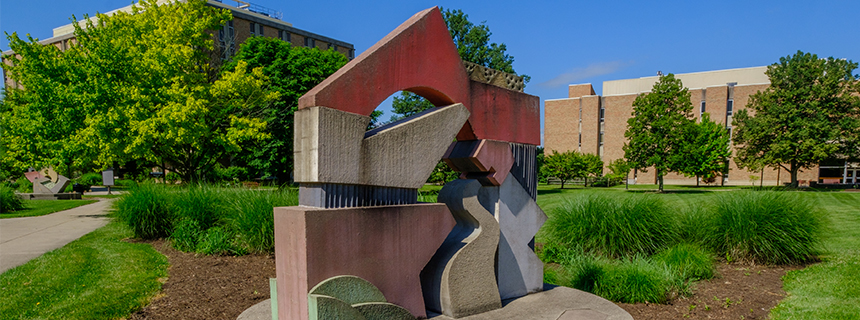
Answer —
561 42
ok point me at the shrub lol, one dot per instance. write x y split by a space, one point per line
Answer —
9 201
218 241
90 179
147 210
252 217
24 185
687 261
613 227
764 227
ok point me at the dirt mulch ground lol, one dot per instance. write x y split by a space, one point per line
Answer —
210 287
739 292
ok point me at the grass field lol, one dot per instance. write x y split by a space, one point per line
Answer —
43 207
98 276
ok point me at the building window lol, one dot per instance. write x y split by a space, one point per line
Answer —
702 110
284 35
352 53
256 29
310 42
332 46
227 40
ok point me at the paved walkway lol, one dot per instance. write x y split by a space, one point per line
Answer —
23 239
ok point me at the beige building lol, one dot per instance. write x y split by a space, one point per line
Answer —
590 123
248 20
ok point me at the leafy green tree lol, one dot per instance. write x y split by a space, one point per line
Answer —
619 170
135 85
473 44
707 152
657 131
292 71
593 166
810 112
565 165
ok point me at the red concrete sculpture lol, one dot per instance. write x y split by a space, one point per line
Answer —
420 57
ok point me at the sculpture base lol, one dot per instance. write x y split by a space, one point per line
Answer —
50 196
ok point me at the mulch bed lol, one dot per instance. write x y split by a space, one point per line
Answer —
213 287
738 292
208 287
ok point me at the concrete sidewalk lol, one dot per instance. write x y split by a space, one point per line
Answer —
26 238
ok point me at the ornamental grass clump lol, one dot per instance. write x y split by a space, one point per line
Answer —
764 227
629 280
148 210
688 261
614 226
251 216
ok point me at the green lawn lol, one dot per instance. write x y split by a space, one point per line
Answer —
827 290
43 207
99 276
830 289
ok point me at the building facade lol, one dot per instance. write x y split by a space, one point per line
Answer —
248 20
590 123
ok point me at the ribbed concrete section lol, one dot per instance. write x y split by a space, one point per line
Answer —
525 167
332 195
26 238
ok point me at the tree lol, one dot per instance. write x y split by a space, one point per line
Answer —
656 132
619 169
473 45
593 166
292 71
810 112
707 151
135 85
564 165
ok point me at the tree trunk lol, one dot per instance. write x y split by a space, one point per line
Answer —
794 170
586 182
660 183
697 181
562 183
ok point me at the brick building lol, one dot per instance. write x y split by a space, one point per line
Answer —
248 20
590 123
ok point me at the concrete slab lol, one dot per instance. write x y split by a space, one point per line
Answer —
404 155
327 145
488 161
26 238
554 303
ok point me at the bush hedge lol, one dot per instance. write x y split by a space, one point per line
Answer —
9 201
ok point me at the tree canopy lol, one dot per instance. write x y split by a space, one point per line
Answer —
571 164
658 130
707 151
136 85
292 71
809 113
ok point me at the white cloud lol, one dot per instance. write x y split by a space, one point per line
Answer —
593 70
